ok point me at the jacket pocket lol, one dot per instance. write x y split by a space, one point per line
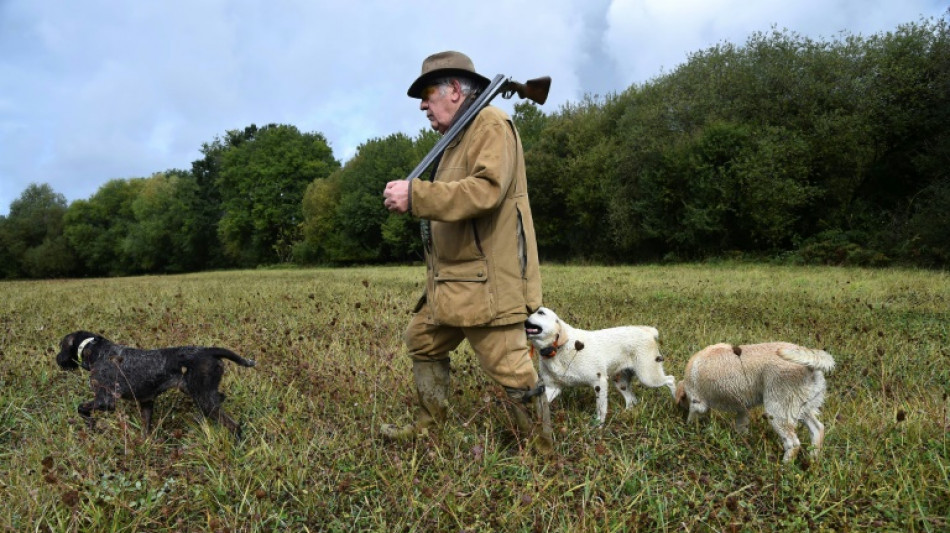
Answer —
463 295
456 242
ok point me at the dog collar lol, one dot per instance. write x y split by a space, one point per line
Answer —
552 349
82 346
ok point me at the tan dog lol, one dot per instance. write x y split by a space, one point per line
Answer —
788 380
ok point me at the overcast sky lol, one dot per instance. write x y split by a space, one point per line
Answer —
102 89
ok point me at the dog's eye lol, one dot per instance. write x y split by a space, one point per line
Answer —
541 312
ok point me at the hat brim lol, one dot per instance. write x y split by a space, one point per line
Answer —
415 90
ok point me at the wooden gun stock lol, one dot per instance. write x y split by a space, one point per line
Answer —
535 90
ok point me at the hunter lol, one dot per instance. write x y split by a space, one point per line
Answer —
482 273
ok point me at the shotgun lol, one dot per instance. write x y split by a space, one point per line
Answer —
535 90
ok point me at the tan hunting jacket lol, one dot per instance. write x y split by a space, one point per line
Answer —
482 266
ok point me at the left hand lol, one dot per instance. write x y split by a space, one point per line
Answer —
396 196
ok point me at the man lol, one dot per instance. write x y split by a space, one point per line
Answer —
482 275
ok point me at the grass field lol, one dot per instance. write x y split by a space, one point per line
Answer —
331 368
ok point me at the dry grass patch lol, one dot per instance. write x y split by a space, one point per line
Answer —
331 368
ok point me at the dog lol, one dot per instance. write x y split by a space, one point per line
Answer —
117 371
571 357
787 379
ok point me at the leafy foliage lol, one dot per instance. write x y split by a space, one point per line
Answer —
754 149
261 182
161 240
345 220
784 147
31 237
96 228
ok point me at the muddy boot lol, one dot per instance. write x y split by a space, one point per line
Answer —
432 388
532 416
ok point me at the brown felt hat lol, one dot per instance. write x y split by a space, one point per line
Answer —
445 64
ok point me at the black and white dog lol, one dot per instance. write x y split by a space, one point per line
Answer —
117 371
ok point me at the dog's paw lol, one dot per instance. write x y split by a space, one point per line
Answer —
790 454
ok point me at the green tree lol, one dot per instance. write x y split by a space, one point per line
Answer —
96 228
31 236
569 172
757 148
345 220
928 227
318 229
262 181
9 261
205 207
530 121
162 236
360 212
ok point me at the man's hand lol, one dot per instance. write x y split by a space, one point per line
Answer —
396 196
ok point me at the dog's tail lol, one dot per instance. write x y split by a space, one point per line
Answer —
224 353
817 359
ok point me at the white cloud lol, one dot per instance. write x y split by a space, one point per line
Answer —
106 89
646 38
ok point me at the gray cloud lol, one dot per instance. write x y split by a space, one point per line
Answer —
105 89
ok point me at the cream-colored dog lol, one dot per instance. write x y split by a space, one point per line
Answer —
788 380
571 356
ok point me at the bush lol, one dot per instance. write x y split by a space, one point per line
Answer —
841 248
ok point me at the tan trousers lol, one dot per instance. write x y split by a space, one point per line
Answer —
502 350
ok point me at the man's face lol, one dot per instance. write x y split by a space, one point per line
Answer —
441 102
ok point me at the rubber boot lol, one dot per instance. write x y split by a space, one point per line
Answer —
432 388
532 416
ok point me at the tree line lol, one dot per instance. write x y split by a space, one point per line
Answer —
784 148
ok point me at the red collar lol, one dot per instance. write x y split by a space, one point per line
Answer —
550 350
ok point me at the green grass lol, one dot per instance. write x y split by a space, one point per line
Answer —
331 368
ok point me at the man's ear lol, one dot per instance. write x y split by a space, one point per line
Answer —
456 95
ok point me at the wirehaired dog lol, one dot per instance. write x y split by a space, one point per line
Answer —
117 371
571 357
787 379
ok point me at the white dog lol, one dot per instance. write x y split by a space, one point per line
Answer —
571 356
788 380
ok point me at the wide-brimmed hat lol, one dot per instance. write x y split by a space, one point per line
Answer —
442 65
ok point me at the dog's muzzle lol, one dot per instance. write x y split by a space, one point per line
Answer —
531 329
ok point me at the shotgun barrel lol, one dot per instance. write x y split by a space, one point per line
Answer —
535 90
